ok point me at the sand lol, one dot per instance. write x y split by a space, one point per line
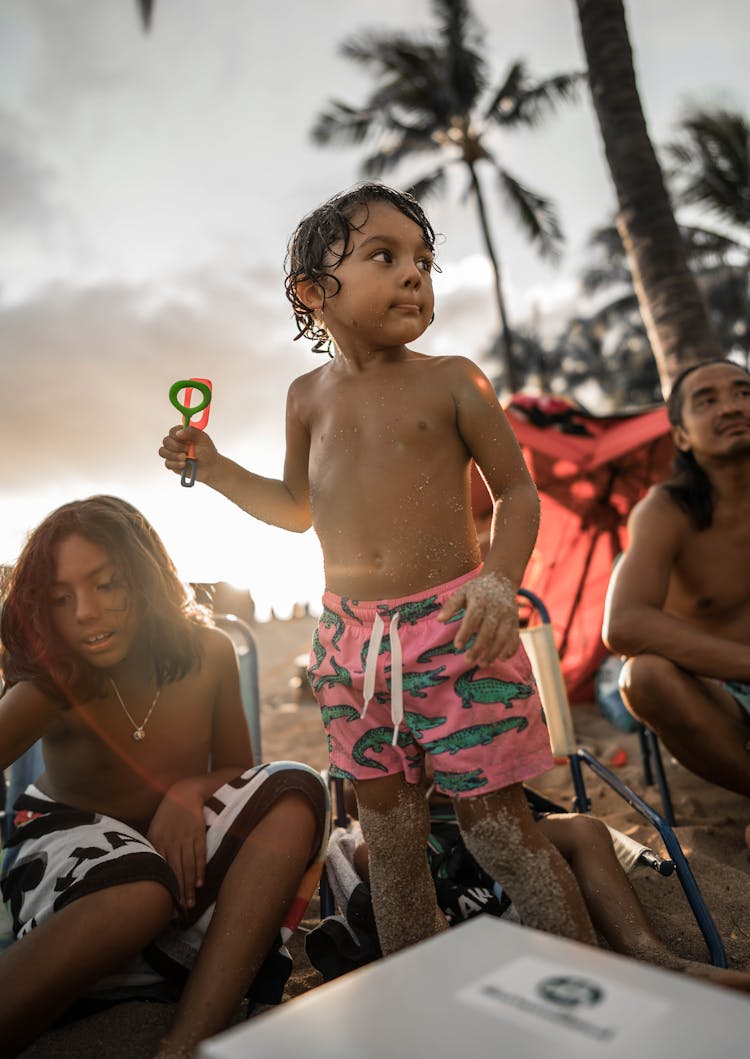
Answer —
711 825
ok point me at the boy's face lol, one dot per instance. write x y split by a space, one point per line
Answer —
386 297
715 417
91 607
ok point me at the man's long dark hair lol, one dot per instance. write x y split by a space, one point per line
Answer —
690 487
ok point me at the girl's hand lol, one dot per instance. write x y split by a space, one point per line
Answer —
178 832
490 621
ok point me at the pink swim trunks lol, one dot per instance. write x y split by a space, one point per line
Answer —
482 728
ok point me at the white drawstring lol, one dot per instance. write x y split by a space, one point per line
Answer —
373 650
397 682
371 664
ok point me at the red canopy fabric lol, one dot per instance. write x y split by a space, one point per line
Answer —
590 471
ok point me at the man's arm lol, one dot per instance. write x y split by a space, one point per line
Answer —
279 502
635 622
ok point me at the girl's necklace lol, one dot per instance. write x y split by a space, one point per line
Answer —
138 729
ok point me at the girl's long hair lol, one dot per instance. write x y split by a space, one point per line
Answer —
168 616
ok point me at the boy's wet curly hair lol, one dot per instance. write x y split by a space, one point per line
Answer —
310 254
168 616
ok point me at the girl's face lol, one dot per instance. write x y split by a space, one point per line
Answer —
91 606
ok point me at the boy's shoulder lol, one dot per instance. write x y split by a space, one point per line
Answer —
312 375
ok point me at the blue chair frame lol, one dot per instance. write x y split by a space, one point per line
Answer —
678 863
247 656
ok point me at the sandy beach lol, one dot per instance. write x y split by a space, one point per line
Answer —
711 824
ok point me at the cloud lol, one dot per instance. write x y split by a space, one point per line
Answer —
91 372
25 179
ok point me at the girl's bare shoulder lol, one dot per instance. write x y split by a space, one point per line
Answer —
30 697
217 646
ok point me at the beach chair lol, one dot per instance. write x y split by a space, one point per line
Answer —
540 645
247 656
653 769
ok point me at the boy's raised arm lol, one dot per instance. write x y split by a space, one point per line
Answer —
279 502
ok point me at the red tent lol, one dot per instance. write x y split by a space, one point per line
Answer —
589 471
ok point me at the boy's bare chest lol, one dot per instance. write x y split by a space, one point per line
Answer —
382 419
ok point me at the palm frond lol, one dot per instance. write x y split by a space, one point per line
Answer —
536 215
601 277
394 148
343 124
534 100
146 8
430 185
411 74
460 36
709 249
708 163
508 90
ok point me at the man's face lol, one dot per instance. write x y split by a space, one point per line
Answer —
715 420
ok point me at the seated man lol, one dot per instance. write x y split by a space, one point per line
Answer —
678 605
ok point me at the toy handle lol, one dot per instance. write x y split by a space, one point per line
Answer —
187 478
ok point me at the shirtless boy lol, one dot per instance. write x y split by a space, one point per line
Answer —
679 601
379 447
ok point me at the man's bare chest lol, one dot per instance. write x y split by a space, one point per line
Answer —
711 579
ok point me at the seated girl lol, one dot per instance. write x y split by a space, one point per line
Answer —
150 847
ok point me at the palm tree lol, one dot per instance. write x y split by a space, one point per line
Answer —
709 164
671 303
719 263
146 8
708 168
433 96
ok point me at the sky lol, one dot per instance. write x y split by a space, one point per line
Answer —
149 184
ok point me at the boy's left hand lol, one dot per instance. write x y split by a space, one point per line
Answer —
491 617
178 832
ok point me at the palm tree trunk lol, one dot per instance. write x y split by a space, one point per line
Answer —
511 376
672 306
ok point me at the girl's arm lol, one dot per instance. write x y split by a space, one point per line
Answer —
25 715
279 502
177 829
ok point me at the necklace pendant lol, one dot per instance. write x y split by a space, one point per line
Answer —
139 734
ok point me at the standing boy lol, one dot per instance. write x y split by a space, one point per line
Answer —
380 441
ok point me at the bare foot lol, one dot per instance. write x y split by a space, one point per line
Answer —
168 1052
738 980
